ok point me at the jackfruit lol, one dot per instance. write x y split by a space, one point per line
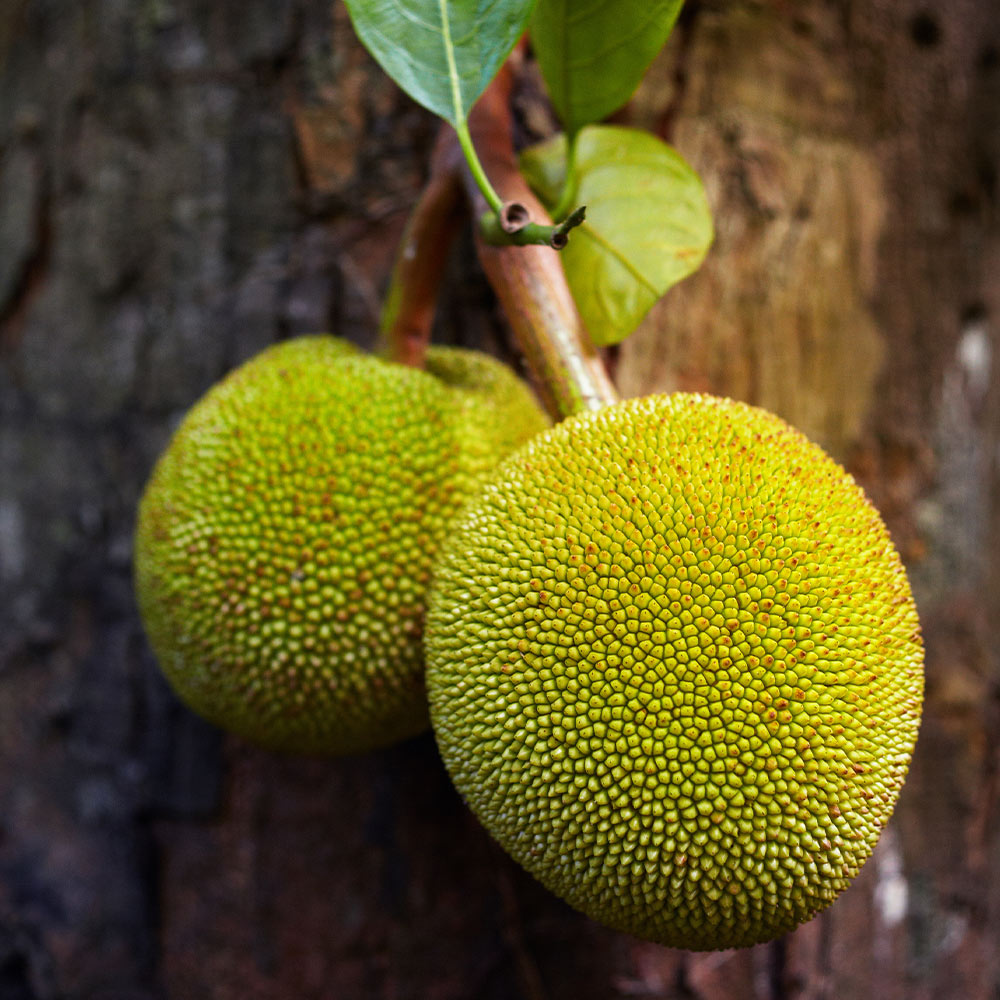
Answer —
675 668
285 540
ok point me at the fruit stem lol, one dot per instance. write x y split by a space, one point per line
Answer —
529 281
411 299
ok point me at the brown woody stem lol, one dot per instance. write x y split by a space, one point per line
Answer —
529 281
408 313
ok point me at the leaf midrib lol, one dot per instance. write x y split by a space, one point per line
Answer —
449 52
614 252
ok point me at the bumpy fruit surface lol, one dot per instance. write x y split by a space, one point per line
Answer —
285 540
675 668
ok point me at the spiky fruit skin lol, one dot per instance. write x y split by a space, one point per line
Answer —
285 541
512 416
675 668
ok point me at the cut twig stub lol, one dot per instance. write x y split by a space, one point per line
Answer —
560 235
513 217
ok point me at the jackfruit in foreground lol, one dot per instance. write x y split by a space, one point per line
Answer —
675 668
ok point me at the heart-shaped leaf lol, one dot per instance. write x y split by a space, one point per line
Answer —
593 53
443 53
648 222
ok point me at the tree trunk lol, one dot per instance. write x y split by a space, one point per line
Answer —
183 182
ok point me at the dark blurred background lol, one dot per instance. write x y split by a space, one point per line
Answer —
183 182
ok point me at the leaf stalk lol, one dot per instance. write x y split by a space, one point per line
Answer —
570 183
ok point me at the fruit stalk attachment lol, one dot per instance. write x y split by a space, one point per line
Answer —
410 302
529 281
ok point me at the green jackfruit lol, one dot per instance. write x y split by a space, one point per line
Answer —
675 667
285 540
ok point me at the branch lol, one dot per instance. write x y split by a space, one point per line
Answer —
498 231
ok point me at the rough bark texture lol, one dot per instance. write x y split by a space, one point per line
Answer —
182 182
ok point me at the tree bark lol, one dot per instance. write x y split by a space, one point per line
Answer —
182 183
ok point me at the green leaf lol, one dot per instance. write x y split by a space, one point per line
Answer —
593 53
443 53
648 222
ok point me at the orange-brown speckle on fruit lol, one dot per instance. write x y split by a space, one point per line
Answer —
286 538
675 667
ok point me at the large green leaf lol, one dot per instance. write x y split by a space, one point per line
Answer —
593 53
648 222
443 53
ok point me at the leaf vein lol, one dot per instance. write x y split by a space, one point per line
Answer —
614 252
